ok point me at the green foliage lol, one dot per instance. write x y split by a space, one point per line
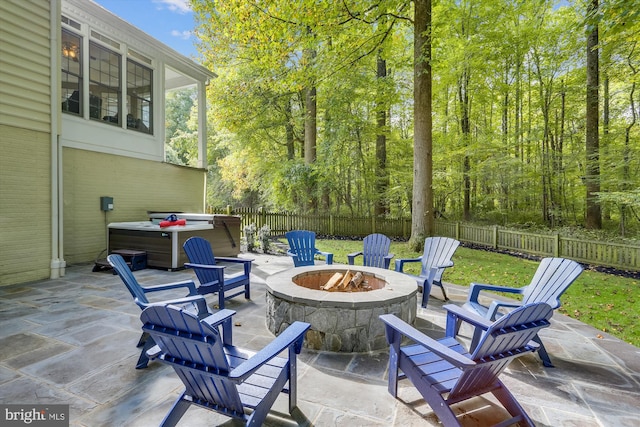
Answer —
607 302
524 158
251 234
250 237
264 237
181 130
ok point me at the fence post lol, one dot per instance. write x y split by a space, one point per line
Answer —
495 237
331 225
556 245
229 210
457 230
373 224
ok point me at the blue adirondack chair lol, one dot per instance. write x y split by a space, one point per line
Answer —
445 373
193 301
375 252
302 248
437 254
220 377
212 276
551 279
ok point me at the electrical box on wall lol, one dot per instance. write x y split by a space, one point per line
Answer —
106 203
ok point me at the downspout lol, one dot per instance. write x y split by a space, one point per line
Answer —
57 254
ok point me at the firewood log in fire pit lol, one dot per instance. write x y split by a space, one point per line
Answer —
356 280
333 281
347 281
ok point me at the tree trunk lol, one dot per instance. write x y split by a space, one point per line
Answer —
422 219
504 182
465 129
289 131
626 154
382 175
310 130
593 218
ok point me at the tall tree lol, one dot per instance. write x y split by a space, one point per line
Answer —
382 181
593 219
422 217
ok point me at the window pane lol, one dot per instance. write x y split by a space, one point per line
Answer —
71 61
139 97
104 83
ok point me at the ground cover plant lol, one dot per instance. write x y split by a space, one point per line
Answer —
608 302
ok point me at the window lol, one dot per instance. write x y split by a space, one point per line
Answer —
104 83
71 61
139 97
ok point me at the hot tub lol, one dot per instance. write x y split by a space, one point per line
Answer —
164 245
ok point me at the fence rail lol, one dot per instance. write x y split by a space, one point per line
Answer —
608 254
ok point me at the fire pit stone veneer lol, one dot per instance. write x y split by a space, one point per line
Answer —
340 321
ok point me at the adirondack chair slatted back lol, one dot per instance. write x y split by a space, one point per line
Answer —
303 244
437 251
197 355
552 278
376 248
122 269
199 251
505 338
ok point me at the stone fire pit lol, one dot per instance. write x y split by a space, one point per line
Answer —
340 321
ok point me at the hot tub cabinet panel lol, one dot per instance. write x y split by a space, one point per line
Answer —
164 245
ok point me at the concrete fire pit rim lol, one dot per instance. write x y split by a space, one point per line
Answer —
399 286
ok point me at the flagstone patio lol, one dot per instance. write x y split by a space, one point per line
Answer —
72 341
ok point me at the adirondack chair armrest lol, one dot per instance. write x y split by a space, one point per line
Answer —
221 317
387 260
292 336
292 254
394 324
497 305
401 262
475 288
328 256
455 313
198 300
352 257
246 263
446 265
205 266
234 260
189 284
214 320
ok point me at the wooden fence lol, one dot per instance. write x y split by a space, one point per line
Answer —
608 254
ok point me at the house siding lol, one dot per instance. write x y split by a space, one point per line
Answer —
25 141
25 65
136 187
25 205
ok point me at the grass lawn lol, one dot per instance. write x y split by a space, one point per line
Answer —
607 302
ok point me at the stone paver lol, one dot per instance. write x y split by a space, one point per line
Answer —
72 340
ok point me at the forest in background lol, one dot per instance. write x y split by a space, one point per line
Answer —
312 109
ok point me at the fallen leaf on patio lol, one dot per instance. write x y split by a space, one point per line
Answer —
600 336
